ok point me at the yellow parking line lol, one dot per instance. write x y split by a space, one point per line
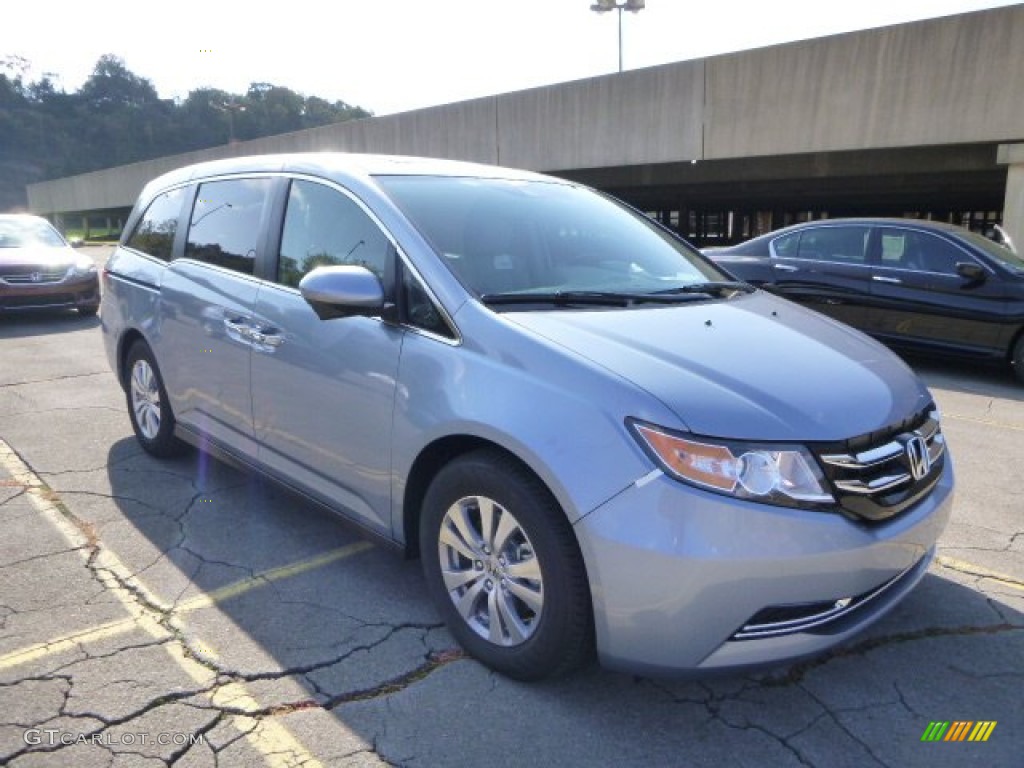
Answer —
973 569
266 577
275 743
121 626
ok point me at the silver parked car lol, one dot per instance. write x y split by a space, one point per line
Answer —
590 436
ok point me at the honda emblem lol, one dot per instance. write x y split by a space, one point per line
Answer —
917 457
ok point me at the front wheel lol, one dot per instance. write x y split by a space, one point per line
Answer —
148 407
503 566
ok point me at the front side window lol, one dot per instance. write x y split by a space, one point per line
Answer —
323 227
840 244
154 234
420 310
920 251
225 224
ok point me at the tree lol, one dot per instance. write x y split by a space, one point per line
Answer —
117 117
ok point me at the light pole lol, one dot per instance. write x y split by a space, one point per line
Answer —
230 107
633 6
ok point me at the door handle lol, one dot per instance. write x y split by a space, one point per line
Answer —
890 280
237 325
268 338
786 268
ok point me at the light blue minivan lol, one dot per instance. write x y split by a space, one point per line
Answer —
592 437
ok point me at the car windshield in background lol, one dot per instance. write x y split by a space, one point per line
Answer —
15 233
548 241
1000 253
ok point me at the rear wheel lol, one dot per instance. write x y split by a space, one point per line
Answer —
148 407
1018 359
503 566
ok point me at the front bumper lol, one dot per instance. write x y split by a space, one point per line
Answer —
676 573
72 291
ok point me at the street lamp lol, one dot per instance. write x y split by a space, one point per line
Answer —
230 107
633 6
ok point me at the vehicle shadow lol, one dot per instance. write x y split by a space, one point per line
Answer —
968 378
356 640
19 325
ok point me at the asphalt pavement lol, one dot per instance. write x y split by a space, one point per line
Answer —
184 613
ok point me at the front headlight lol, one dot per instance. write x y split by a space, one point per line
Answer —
774 474
83 265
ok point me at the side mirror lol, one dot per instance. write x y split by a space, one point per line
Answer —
970 271
343 292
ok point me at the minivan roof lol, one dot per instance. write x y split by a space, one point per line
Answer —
338 165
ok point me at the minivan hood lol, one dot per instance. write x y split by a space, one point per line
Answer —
752 367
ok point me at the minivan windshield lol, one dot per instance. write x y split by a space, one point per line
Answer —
510 241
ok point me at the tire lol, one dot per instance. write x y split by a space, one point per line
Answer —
1018 359
517 599
148 406
89 311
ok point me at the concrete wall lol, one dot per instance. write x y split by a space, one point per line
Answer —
940 82
943 81
643 116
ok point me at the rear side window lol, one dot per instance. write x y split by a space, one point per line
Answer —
225 224
155 233
842 244
323 227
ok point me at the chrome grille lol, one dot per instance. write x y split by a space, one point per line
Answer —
35 276
880 479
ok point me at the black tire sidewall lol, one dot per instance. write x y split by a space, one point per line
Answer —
1018 359
562 632
165 444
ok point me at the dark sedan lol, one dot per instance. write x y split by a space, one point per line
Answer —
39 270
922 286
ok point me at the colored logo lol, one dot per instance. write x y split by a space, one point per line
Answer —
958 730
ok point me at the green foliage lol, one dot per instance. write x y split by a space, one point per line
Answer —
117 117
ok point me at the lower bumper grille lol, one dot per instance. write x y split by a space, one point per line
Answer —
779 620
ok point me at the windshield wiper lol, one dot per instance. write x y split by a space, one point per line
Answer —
595 298
711 287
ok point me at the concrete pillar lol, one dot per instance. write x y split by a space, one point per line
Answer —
1013 206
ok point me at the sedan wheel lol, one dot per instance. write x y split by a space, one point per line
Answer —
1018 359
504 568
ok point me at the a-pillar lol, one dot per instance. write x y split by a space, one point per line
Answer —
1013 206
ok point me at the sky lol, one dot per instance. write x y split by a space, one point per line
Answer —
392 56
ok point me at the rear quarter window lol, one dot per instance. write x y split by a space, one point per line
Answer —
155 232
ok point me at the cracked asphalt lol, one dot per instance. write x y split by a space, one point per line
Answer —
183 613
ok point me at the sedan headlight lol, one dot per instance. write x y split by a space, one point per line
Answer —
83 265
774 474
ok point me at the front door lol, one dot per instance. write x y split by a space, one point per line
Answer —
922 302
323 390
